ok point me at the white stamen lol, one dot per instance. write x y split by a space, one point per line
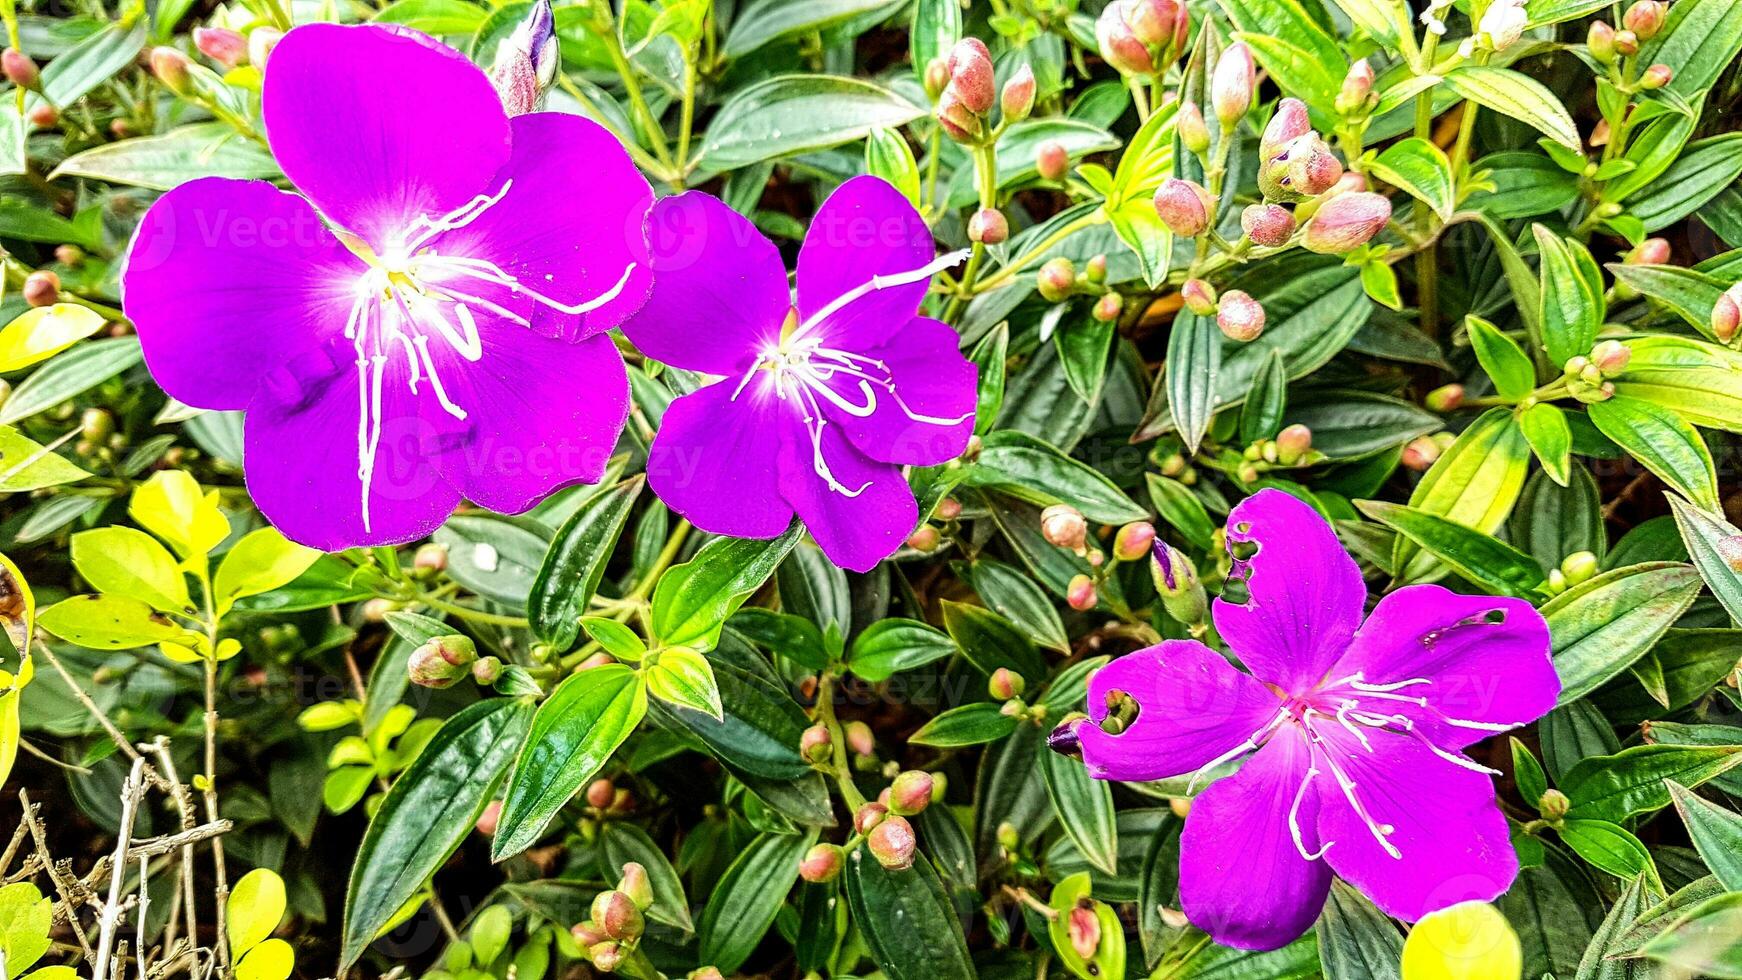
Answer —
1348 787
1294 818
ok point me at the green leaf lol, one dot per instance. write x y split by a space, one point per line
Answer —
111 622
125 562
1706 536
1527 772
1017 463
1599 627
1715 832
1698 39
792 114
1138 226
684 678
1485 560
171 506
989 357
907 921
888 156
1356 939
1699 381
494 556
1663 443
572 736
1017 598
1519 96
990 642
970 724
167 160
262 561
1632 781
1704 168
576 561
90 63
1689 293
1194 358
428 811
890 646
618 640
1702 941
1085 809
790 636
693 600
1609 847
748 897
74 372
437 17
1261 415
1506 363
1420 169
41 332
1545 428
937 26
1181 509
1572 299
1525 185
25 465
1083 343
1474 483
623 842
762 22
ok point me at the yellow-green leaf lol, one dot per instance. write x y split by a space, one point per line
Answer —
112 622
40 333
262 561
1468 940
28 465
171 506
123 561
256 906
684 677
271 960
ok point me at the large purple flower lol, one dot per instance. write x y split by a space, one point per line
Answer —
424 322
818 403
1352 732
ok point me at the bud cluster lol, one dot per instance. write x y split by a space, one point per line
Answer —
441 661
1142 38
1576 568
611 935
966 90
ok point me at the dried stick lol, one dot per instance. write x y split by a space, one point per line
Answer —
71 890
111 917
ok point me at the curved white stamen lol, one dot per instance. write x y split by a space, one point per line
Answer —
1343 719
1294 818
1348 786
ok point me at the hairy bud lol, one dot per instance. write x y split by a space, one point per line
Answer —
1288 123
1610 358
1176 581
1052 160
486 670
1184 206
616 916
1357 91
971 75
1057 279
1554 804
937 75
1198 296
1107 307
1270 225
815 744
1193 131
1421 453
20 69
1645 18
171 68
41 288
910 793
1017 99
1133 541
1312 167
869 816
988 225
636 885
1005 684
1600 40
224 46
1445 398
1065 526
1240 316
1727 314
859 739
1652 251
958 122
822 863
1231 86
1656 77
1346 222
1119 44
442 661
601 793
892 843
1293 443
1080 593
526 61
1095 270
1626 43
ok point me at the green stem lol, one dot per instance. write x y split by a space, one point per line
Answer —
986 179
473 615
1426 260
632 86
837 742
639 155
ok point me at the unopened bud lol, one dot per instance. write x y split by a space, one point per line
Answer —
1083 927
1579 567
587 934
958 122
937 75
441 661
822 863
488 820
486 670
869 816
1176 581
815 744
636 885
616 915
1095 270
1445 398
892 843
1312 167
1065 526
1017 99
1288 123
1270 225
1052 160
44 116
1133 541
1652 251
989 226
971 75
1231 87
430 558
221 44
859 739
1610 358
1656 77
1193 131
526 61
1645 18
1346 222
1293 443
1727 314
19 69
1421 453
1357 88
1119 45
910 793
171 68
1554 804
1239 316
1626 43
41 288
707 973
1600 40
1005 684
925 539
1185 207
1107 308
1057 279
601 793
1080 593
1199 297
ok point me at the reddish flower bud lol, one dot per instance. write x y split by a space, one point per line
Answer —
1727 315
924 539
1057 279
636 885
44 116
937 75
488 820
1080 593
892 843
587 934
41 288
1357 90
1645 18
910 793
958 122
601 793
1610 358
171 68
1270 225
1184 207
1133 541
1445 398
948 509
1052 160
1656 77
1017 99
1231 87
822 863
1554 804
1065 526
859 739
815 744
1652 251
608 955
1346 222
1288 123
1421 453
1005 684
1120 46
486 670
1293 443
1107 308
19 69
971 75
869 816
988 225
1600 40
1626 43
1312 168
1083 927
616 915
222 45
1198 296
441 661
1240 316
1193 131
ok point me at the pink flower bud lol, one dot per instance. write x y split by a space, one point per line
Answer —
822 863
171 68
1357 88
601 792
1133 541
815 744
1652 251
1017 99
616 915
607 956
892 843
1184 207
486 670
1312 168
41 288
1726 316
1108 307
869 816
1600 39
1270 225
587 934
971 75
1080 593
1052 160
1656 77
1610 358
441 661
924 539
1056 279
988 225
488 820
1239 316
1083 927
19 69
1193 131
1645 18
1231 88
1064 526
1005 684
1421 453
1119 45
44 116
1626 43
859 739
1445 398
222 45
1293 443
1289 123
910 793
1346 222
948 509
958 122
1198 296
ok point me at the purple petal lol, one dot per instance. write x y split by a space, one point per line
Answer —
714 461
1484 659
1306 593
542 414
381 125
922 391
301 455
1242 879
1193 708
719 295
1444 825
228 279
862 520
574 244
866 228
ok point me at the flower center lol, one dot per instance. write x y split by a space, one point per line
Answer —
411 293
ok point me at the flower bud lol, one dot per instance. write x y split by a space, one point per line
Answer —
1626 43
1133 541
1501 26
1120 46
430 558
441 661
937 75
971 75
1198 296
815 744
822 863
1106 309
616 915
1727 314
488 820
1445 398
1346 222
261 41
224 46
1176 581
1610 358
1052 160
1152 21
1193 131
859 739
988 225
1080 593
1095 270
1554 804
526 61
892 843
1065 526
586 934
1083 927
910 793
1057 279
1017 99
1231 87
607 956
1312 167
1652 251
19 69
1005 684
958 122
1288 123
1293 443
1185 207
171 68
869 816
1656 77
948 509
636 885
41 288
44 116
485 671
1645 18
1421 453
1600 40
1270 225
925 539
1357 90
707 973
600 793
1579 566
1240 316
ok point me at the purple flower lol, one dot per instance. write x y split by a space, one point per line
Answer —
1352 733
818 403
425 321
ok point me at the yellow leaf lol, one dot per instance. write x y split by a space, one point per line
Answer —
1471 941
171 506
40 333
262 561
271 960
255 908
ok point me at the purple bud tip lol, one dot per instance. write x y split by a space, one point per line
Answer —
1064 739
1289 123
